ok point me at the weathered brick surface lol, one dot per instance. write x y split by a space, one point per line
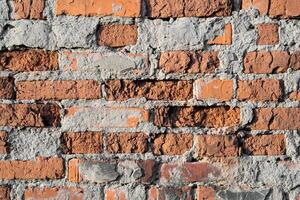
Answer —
215 90
275 8
4 193
7 88
265 145
3 143
83 142
27 9
58 90
41 168
211 117
267 34
127 143
266 62
123 8
117 35
95 171
188 8
260 90
104 117
121 90
37 193
276 119
295 96
205 193
189 62
217 146
172 144
188 172
30 115
149 99
29 60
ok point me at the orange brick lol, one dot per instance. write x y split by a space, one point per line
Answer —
225 39
264 145
58 90
121 90
43 193
30 115
189 62
276 119
83 143
259 90
3 144
127 143
221 90
217 146
29 9
267 34
172 144
28 60
41 168
117 35
122 8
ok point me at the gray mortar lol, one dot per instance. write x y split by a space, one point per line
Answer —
155 36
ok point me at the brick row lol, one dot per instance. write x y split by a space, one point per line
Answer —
156 8
173 144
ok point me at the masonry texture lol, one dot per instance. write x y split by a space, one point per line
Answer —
150 99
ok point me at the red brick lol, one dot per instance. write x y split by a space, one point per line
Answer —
295 60
163 193
268 34
264 145
217 146
261 5
82 143
116 194
121 90
122 8
188 8
172 144
28 60
225 39
215 90
4 193
210 117
7 88
275 8
188 172
43 193
29 115
206 193
117 35
277 119
189 61
266 62
295 96
41 168
3 144
29 9
58 90
259 90
127 143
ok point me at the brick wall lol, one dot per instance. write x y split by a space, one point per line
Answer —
150 99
